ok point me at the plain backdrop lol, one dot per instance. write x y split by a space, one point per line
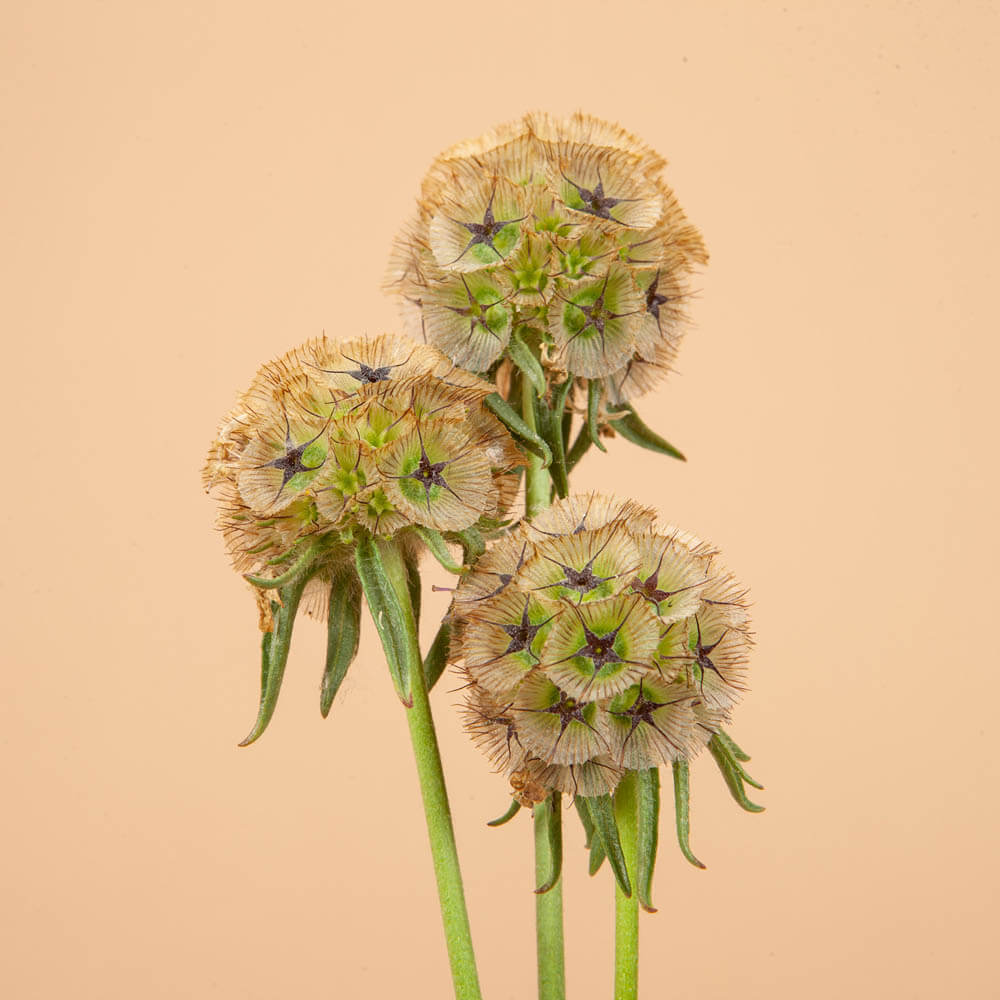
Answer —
189 189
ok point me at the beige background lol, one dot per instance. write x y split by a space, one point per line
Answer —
191 188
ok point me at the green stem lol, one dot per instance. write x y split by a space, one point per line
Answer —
627 909
548 905
548 912
436 808
538 482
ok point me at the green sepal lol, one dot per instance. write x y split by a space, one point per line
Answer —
509 417
413 586
734 751
525 359
553 829
681 810
595 390
437 656
435 542
627 423
579 448
733 774
552 430
343 630
388 598
648 835
602 812
472 542
301 565
513 810
588 824
274 654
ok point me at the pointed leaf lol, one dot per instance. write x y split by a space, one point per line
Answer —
437 656
597 856
552 427
524 357
343 630
681 807
389 604
594 390
411 563
438 548
580 447
648 835
301 565
510 418
627 423
585 820
515 808
732 773
602 812
552 812
730 744
472 542
274 655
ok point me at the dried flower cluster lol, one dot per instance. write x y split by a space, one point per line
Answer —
378 434
595 641
561 233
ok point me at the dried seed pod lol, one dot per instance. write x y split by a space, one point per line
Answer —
570 231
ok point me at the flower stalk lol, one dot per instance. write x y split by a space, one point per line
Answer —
627 906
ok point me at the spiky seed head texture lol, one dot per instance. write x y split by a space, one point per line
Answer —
379 433
596 640
559 229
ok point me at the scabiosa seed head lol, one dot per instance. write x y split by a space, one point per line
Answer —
380 434
594 641
561 230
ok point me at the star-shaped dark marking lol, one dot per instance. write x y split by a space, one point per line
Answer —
504 578
522 634
290 464
701 654
366 374
648 589
568 710
596 202
642 711
476 311
484 232
655 300
597 315
581 580
599 649
429 474
510 728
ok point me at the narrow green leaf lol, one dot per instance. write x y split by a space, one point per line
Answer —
413 586
524 357
681 810
392 617
437 656
552 432
597 856
274 655
515 808
730 744
343 630
301 565
732 773
472 542
602 812
579 448
588 824
510 418
648 835
627 423
438 548
553 823
595 389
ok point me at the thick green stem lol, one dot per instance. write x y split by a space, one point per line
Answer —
548 905
626 908
538 482
436 808
548 912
